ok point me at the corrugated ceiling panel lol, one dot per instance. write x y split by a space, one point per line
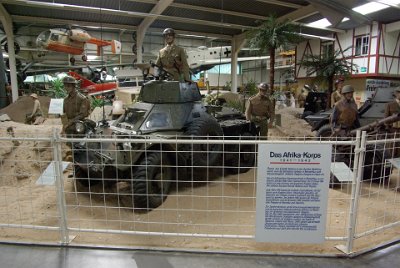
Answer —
189 27
207 16
72 15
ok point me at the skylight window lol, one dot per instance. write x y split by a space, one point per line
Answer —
389 2
370 8
363 9
323 23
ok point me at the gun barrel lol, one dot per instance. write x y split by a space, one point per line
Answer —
378 123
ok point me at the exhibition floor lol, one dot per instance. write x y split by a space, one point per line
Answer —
21 256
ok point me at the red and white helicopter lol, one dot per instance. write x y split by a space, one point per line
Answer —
72 41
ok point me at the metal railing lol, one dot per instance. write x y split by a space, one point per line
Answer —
44 189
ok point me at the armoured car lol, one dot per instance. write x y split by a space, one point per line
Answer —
166 111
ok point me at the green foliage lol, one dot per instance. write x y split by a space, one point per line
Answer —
228 85
236 104
211 99
327 67
273 34
97 102
250 87
57 89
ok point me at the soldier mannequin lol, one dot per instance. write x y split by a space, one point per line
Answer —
76 105
260 109
392 108
344 117
36 117
337 94
173 58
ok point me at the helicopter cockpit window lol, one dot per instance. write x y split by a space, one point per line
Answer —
54 37
43 36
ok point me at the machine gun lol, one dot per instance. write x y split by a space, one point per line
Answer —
378 125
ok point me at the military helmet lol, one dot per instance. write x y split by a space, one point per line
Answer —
168 31
263 86
340 80
347 89
34 95
69 80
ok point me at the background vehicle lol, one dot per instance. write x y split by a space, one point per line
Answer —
315 102
373 109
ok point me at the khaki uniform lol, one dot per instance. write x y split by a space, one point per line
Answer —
335 97
36 117
301 99
392 108
174 60
76 107
344 116
259 110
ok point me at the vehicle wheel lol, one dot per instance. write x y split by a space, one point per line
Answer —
84 57
324 132
151 183
82 178
241 159
374 163
204 154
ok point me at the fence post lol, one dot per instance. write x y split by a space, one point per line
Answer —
59 183
359 154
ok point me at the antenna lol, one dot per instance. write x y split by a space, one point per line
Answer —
103 121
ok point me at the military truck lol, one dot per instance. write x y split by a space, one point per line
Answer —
373 109
166 110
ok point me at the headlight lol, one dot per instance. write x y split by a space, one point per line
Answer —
127 146
80 127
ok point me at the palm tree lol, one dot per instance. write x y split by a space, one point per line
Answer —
273 34
327 67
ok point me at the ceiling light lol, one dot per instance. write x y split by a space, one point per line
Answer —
322 23
91 57
370 8
388 2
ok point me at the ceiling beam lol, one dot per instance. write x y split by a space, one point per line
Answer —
95 10
300 13
207 9
104 26
83 24
145 24
280 3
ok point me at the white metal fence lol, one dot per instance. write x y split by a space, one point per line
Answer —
182 193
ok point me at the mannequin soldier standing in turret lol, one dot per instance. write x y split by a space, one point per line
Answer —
76 106
173 58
